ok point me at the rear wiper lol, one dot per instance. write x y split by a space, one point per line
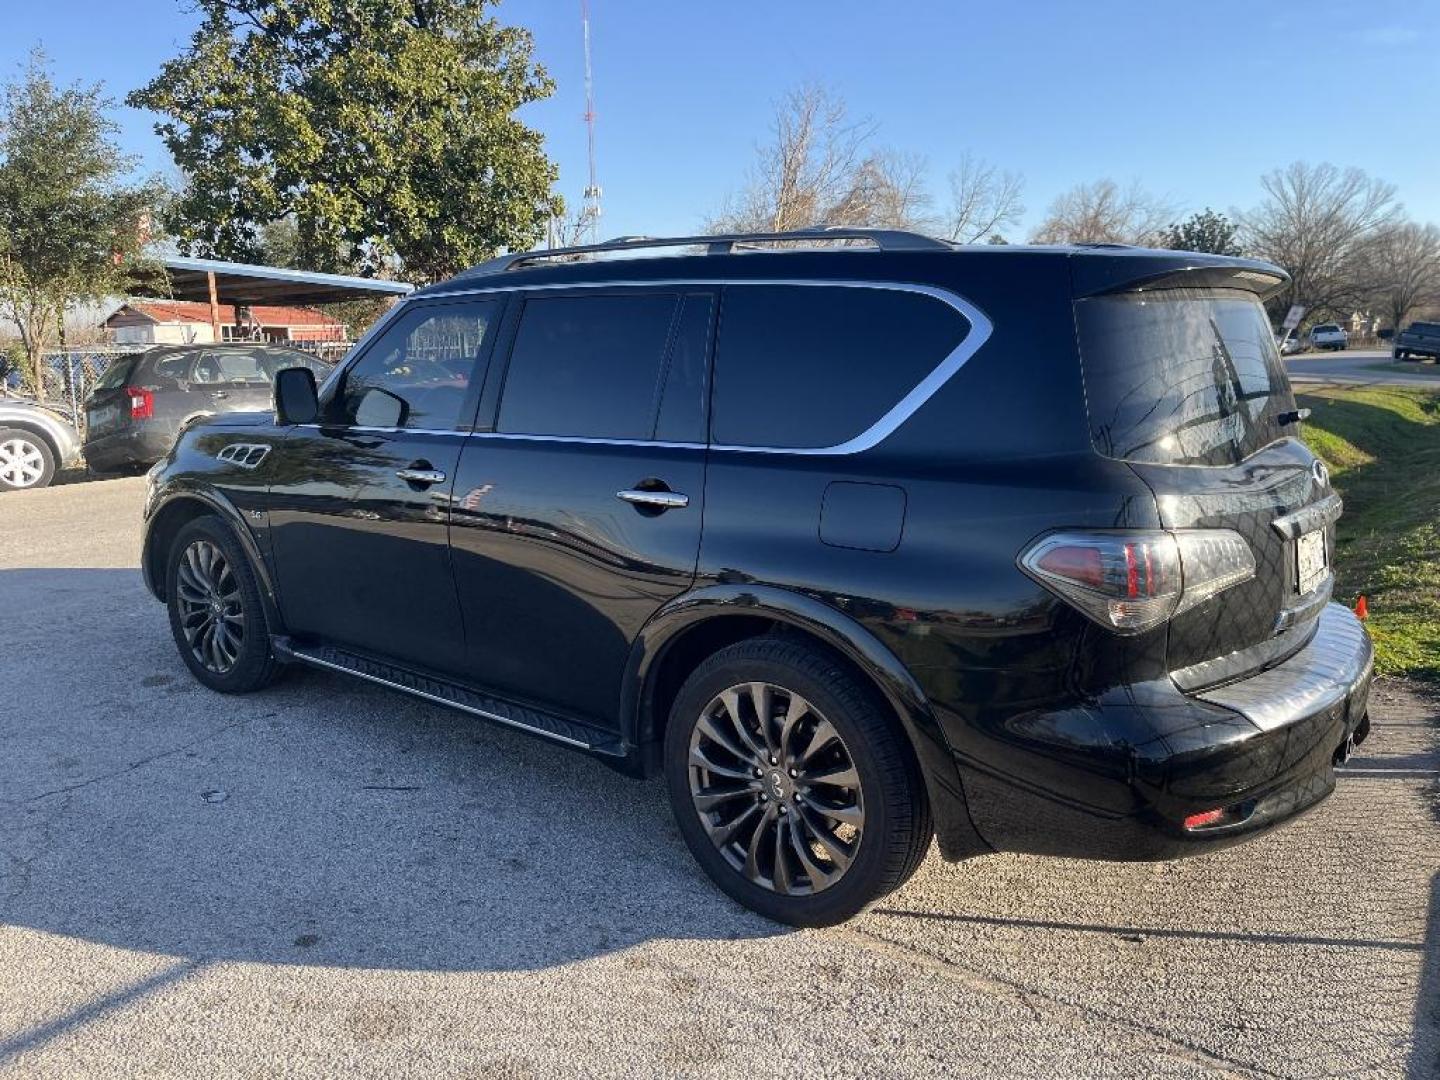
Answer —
1293 416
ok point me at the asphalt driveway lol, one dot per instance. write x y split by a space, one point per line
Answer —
1360 366
330 879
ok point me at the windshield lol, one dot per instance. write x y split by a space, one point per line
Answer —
1181 376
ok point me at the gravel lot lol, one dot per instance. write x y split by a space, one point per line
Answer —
329 879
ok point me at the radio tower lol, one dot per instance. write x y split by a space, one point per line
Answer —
590 215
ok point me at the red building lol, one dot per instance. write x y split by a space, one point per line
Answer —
184 322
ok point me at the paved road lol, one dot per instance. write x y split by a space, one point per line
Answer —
328 879
1359 366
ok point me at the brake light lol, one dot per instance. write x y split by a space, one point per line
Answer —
142 402
1133 580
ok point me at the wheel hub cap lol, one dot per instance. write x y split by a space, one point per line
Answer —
21 463
776 789
207 595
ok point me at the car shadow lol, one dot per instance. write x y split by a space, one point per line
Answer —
320 821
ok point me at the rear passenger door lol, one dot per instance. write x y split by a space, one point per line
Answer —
577 507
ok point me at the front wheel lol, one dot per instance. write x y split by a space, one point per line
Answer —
792 784
216 614
26 460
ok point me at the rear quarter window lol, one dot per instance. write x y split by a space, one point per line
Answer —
814 366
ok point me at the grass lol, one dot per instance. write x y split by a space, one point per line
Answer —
1382 444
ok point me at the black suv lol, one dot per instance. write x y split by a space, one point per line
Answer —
859 544
142 401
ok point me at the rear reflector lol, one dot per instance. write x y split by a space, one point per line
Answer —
1131 580
1205 817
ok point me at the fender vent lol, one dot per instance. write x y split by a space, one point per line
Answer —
245 455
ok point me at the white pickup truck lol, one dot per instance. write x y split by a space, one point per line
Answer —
1328 336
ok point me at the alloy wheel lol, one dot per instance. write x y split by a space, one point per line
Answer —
21 463
212 615
776 788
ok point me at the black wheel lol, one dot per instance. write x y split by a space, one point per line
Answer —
216 614
26 460
792 784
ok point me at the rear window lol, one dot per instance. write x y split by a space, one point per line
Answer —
1181 376
1324 328
116 372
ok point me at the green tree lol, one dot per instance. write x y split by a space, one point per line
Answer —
1205 231
72 229
384 128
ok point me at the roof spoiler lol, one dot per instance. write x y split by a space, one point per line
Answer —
1141 270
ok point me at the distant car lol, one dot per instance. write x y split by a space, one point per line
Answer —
34 443
1291 344
1328 336
1417 341
142 401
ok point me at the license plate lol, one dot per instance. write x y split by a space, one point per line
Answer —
1310 564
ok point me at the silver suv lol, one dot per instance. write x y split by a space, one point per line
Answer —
34 444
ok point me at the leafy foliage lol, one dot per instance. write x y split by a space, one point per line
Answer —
384 128
1205 231
71 227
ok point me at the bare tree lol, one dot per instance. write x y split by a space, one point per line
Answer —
1317 222
1103 213
982 200
1400 269
819 169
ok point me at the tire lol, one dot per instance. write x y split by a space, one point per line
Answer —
26 460
884 826
209 583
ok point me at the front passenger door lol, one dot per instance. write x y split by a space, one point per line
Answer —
360 502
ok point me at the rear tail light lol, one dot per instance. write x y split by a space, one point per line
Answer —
1133 580
142 402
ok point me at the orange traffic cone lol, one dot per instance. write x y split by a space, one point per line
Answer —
1362 609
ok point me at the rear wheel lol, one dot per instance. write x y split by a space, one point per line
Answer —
216 615
792 785
26 460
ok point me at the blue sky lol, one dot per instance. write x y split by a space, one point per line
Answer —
1192 101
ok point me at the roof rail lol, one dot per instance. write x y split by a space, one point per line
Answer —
719 244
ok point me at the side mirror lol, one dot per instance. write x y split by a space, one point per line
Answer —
295 399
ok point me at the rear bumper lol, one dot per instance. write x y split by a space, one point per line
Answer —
1262 749
124 449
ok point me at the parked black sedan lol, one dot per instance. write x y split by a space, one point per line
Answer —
141 402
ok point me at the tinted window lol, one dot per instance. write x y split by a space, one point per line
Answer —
229 366
418 373
116 372
171 367
815 366
684 398
587 366
1181 376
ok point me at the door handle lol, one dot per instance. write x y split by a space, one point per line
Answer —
660 500
421 476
